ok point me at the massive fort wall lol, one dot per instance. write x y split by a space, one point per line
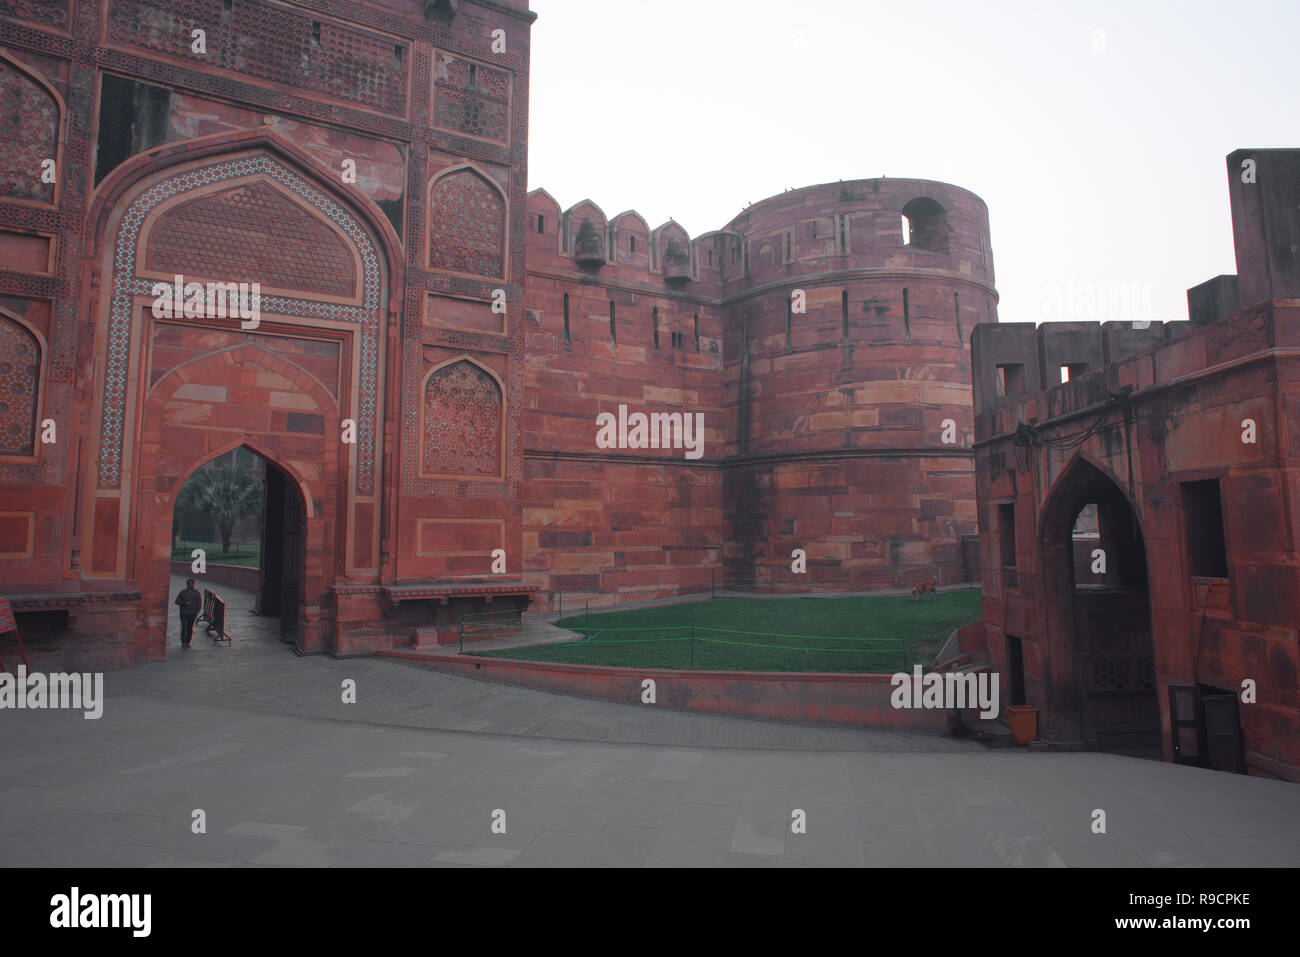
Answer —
828 355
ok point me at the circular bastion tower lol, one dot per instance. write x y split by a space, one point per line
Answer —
848 309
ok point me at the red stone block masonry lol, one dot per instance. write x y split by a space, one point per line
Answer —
433 346
1186 440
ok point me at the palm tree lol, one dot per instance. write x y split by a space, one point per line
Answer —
228 492
187 502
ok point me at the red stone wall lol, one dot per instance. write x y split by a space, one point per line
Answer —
855 701
616 525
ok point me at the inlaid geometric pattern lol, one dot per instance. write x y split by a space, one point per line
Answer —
471 97
467 226
275 43
253 233
126 285
462 421
29 130
20 364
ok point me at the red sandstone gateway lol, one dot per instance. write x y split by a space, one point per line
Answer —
406 313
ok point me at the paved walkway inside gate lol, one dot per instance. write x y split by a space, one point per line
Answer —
417 770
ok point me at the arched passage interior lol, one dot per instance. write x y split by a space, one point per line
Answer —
1099 616
249 498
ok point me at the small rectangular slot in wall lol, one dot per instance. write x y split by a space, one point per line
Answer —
956 313
907 317
1011 380
1007 543
1207 555
613 331
566 317
1016 668
844 314
541 223
654 313
697 332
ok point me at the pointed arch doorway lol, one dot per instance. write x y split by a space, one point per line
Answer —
246 496
1102 682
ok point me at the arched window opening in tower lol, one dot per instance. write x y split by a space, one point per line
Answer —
925 225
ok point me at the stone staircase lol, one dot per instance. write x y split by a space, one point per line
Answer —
953 659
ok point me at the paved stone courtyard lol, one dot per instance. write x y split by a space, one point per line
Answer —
411 775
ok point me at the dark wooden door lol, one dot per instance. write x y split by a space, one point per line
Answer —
1117 669
291 564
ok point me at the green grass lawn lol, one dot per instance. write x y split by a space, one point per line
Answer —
241 553
770 634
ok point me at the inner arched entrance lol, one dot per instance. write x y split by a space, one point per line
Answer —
1103 679
247 516
243 300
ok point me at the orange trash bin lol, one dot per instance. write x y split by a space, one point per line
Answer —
1023 721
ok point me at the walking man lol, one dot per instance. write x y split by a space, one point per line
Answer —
190 601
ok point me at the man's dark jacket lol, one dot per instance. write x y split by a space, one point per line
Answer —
190 602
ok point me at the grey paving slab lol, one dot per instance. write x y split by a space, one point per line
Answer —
556 849
695 835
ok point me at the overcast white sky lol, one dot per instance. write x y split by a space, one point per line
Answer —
1104 171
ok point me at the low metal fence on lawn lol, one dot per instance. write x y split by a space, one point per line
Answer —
703 648
490 624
